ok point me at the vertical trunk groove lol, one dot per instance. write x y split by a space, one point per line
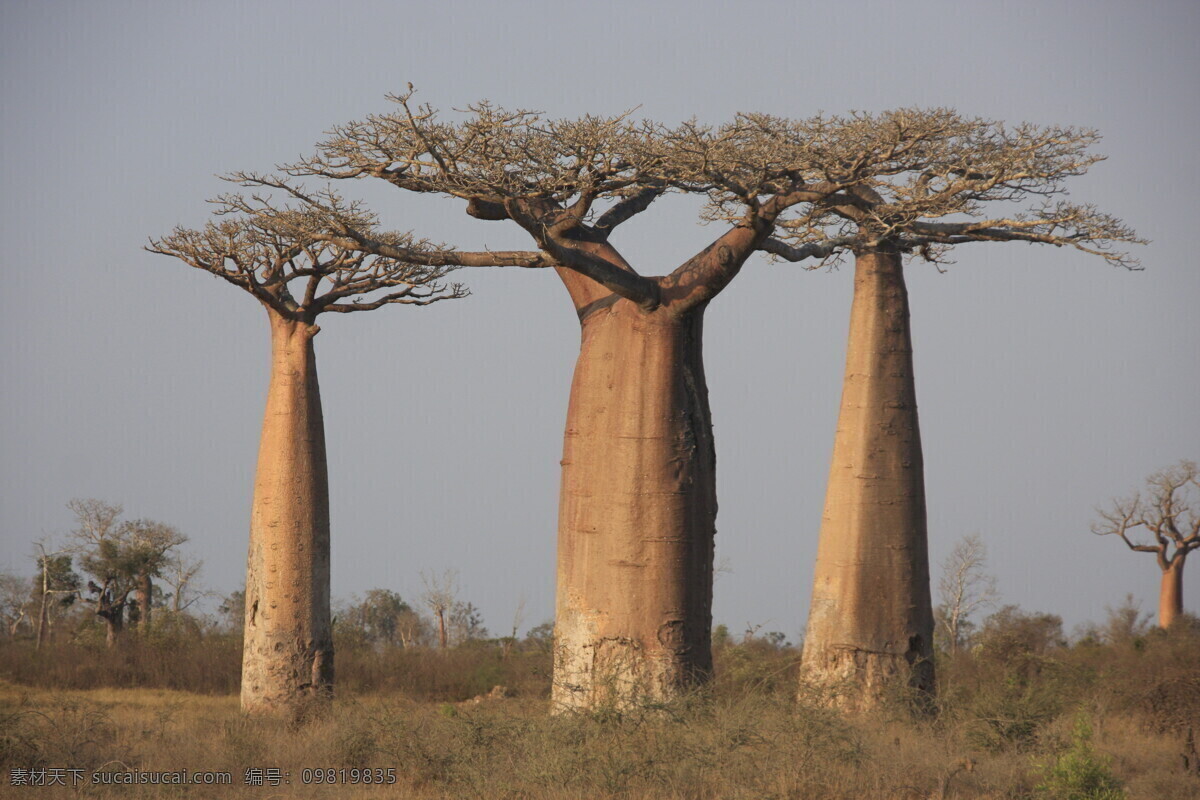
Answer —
637 513
287 659
1170 596
870 625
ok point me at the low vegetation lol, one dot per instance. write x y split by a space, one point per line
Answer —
1021 713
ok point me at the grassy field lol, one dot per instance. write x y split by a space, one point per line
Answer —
1017 718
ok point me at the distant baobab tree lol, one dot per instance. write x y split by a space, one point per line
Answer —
276 258
919 182
1170 514
638 499
123 558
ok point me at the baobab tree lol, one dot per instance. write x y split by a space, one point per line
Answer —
638 501
151 545
123 558
919 183
441 595
288 647
1169 513
98 535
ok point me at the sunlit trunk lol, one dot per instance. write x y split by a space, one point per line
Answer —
287 659
637 513
870 627
1170 597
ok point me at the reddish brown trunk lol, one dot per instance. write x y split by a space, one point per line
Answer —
637 511
870 626
443 638
145 595
287 657
1170 597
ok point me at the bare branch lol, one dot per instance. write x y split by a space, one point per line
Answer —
1168 512
266 248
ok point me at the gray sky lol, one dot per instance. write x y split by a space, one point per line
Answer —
1048 381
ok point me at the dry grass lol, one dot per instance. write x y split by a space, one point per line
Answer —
743 737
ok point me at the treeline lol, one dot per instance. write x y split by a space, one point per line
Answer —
118 581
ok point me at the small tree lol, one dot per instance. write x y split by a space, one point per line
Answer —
179 573
1169 511
465 623
382 618
275 255
15 602
965 588
153 547
122 558
441 596
1011 632
55 578
98 536
233 609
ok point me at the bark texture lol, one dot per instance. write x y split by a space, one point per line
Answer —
637 514
870 627
1170 597
287 660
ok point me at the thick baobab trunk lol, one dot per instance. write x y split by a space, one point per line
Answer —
145 595
1170 596
287 659
637 512
870 627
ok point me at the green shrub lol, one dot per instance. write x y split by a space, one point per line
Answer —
1079 773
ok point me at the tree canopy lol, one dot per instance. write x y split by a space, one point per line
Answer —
911 179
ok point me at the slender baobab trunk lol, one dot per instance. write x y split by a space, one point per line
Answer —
443 636
145 595
870 626
1170 596
288 652
637 512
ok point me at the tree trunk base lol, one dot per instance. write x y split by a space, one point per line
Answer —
858 680
637 517
593 671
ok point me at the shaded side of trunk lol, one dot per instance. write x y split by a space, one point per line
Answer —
287 658
870 626
113 614
637 513
145 595
1170 596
